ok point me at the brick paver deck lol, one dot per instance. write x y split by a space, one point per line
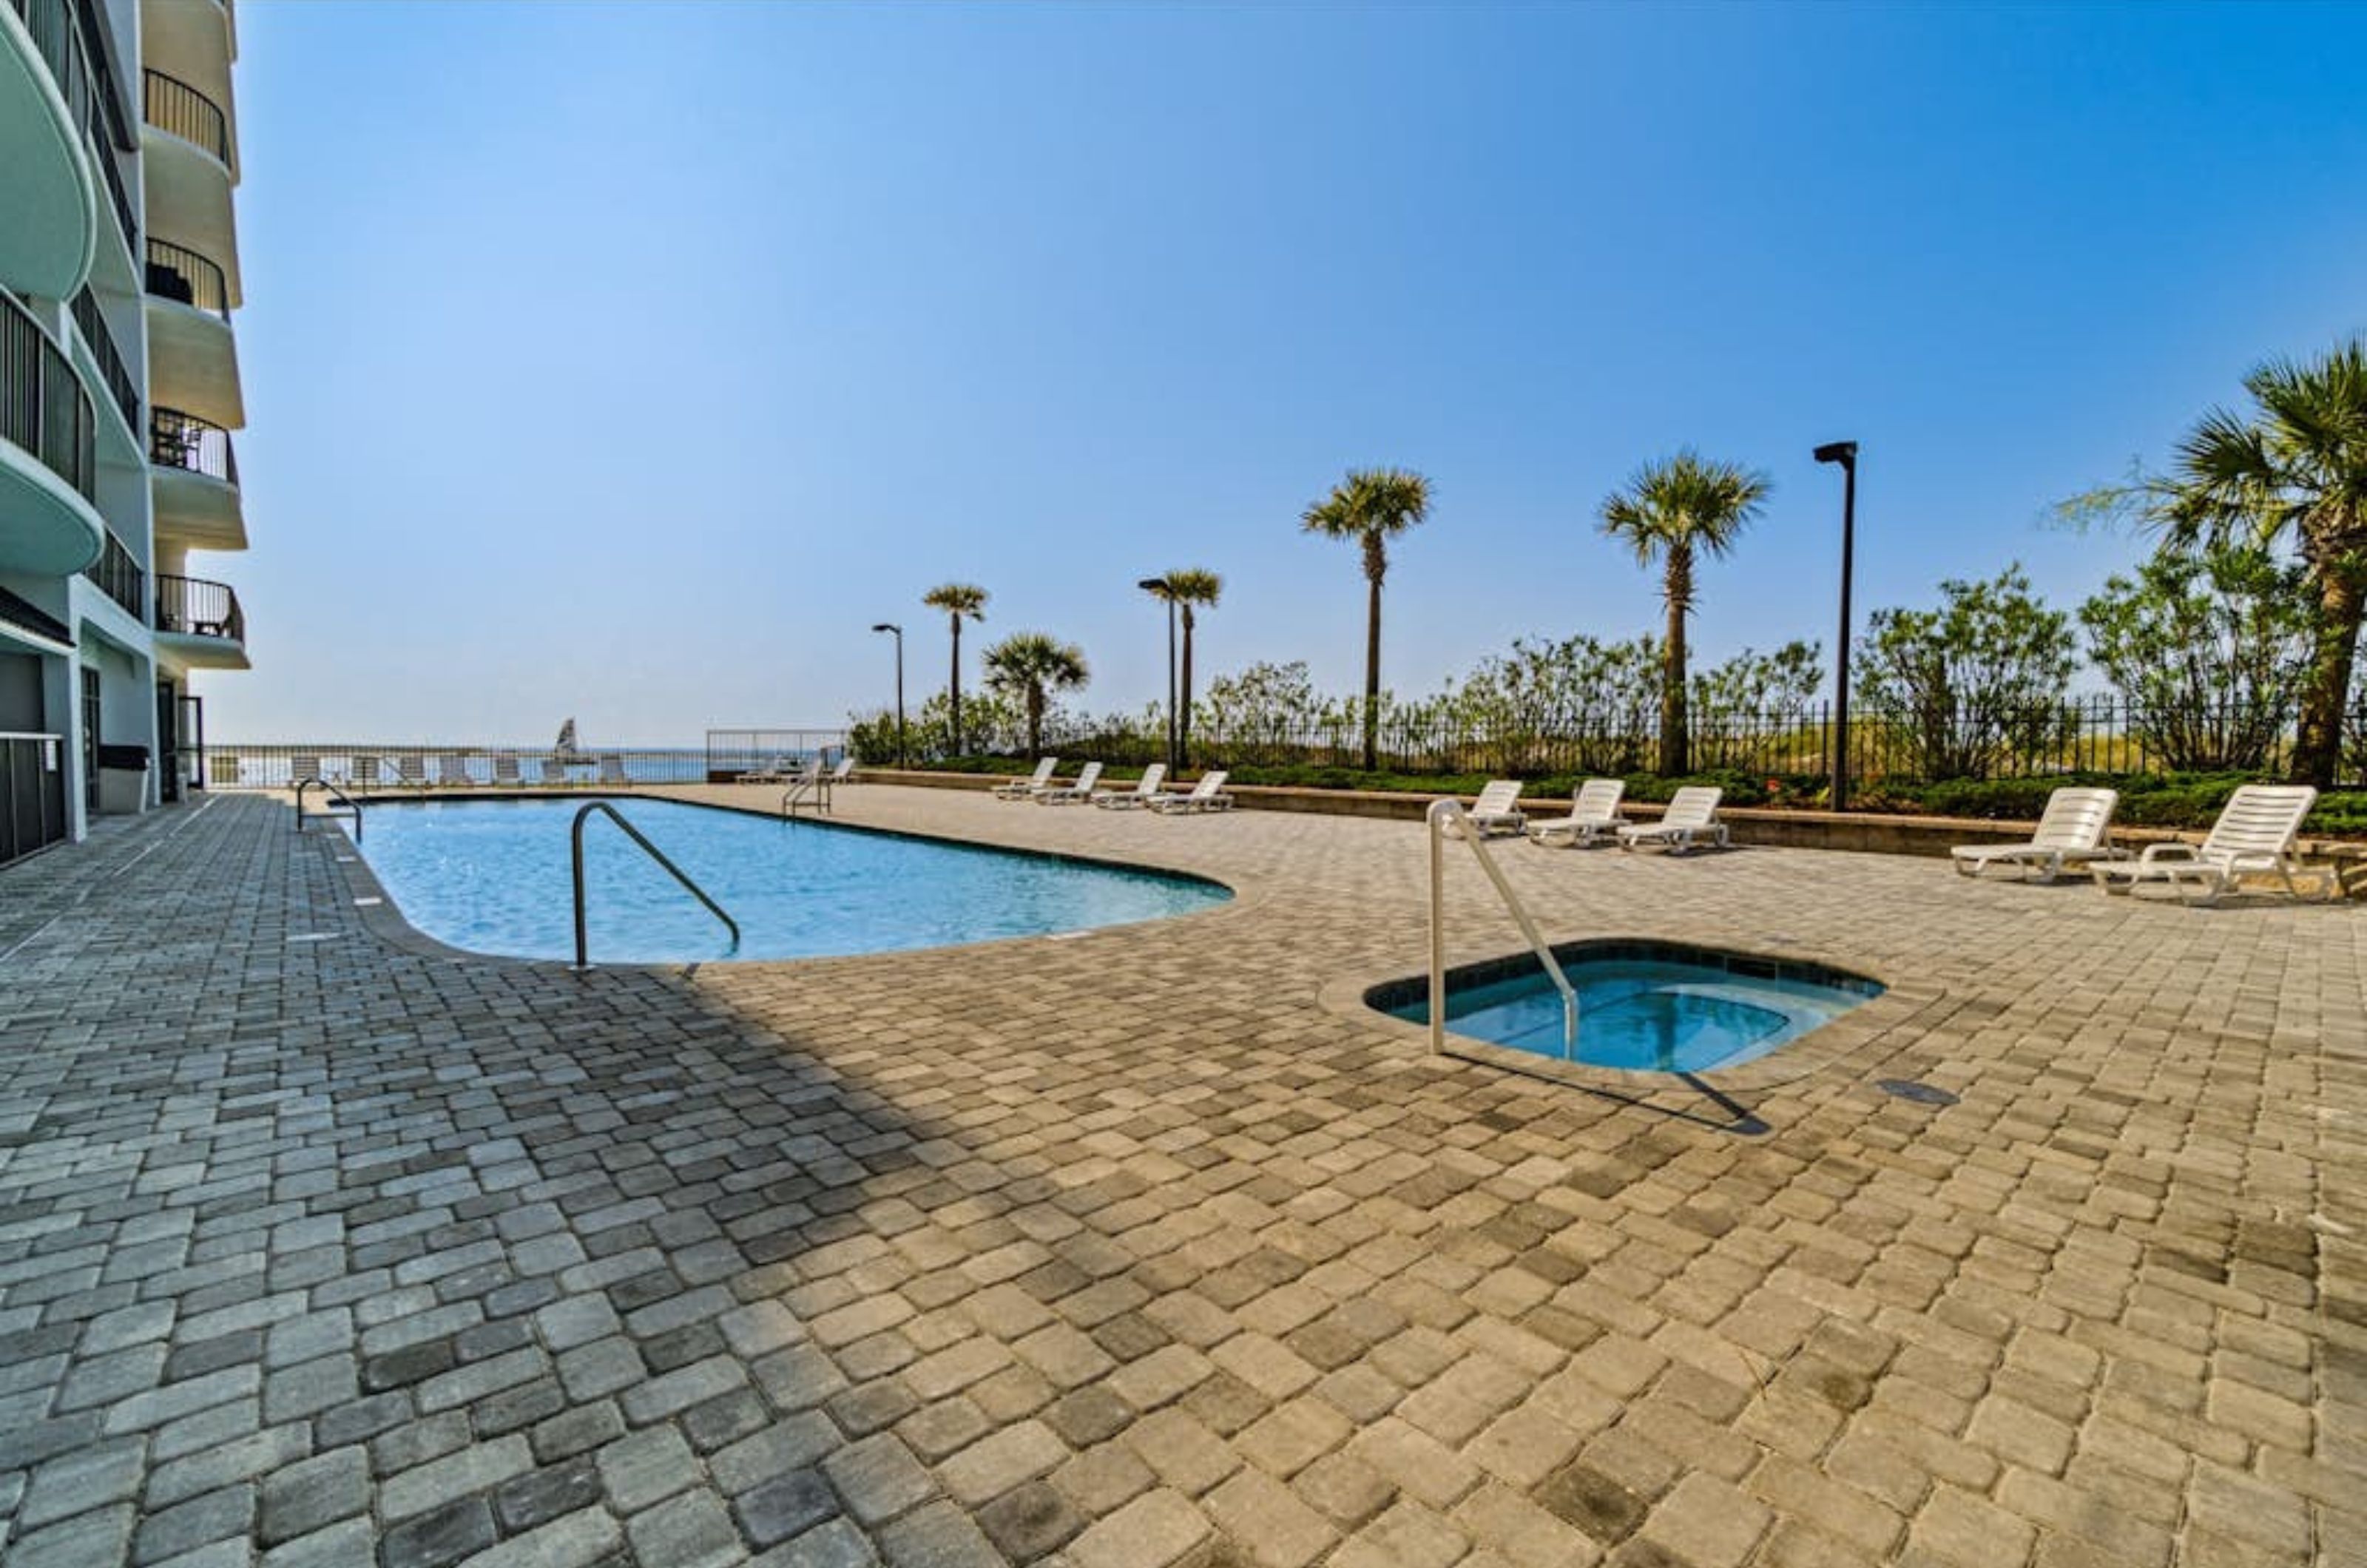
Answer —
1147 1247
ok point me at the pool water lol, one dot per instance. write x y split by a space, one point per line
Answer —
1652 1008
492 876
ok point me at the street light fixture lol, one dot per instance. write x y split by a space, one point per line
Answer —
1166 590
1845 454
899 632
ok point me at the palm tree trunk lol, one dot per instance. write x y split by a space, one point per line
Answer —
1675 757
1183 704
1035 723
1373 675
2317 749
954 686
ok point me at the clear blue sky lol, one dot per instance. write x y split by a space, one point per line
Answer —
629 361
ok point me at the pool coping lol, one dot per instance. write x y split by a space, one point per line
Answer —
383 916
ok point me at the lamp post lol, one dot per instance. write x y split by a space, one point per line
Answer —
1161 586
898 632
1845 454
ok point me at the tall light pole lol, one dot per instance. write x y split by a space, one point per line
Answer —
1845 454
899 632
1161 586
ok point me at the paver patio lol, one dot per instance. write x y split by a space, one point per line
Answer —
1149 1246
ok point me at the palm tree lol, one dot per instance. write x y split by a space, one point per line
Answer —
1029 665
957 599
2294 473
1190 587
1669 509
1370 506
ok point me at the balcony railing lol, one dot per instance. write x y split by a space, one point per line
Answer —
43 407
175 107
92 324
176 440
119 576
69 35
195 608
179 274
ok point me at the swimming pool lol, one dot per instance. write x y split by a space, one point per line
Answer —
1643 1005
492 876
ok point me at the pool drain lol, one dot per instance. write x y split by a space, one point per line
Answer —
1921 1093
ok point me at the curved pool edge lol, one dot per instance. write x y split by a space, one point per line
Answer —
1829 1048
381 916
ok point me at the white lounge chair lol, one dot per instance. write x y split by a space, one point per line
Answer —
365 771
1146 789
1691 817
2254 835
1035 783
777 770
506 773
612 772
1498 809
452 772
554 774
842 771
304 766
1209 795
411 770
1594 811
1087 779
2076 825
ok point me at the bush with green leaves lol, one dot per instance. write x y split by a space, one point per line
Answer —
2208 647
1970 682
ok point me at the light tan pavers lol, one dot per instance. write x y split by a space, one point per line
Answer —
1148 1246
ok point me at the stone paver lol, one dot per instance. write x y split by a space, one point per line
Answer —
321 1245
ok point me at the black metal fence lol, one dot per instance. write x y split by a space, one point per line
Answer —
92 324
732 752
197 608
118 576
178 440
2100 735
43 407
179 109
179 274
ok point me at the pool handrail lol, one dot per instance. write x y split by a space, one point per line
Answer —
1434 821
576 848
353 807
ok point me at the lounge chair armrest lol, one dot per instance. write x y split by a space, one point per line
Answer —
2156 854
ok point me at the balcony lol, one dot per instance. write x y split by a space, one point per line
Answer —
171 105
48 454
192 359
191 165
62 117
193 471
118 576
199 623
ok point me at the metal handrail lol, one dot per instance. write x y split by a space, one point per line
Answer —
353 807
655 853
1434 822
813 784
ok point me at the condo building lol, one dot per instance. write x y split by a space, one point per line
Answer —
118 395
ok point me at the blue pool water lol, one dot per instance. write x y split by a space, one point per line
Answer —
492 876
1647 1008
